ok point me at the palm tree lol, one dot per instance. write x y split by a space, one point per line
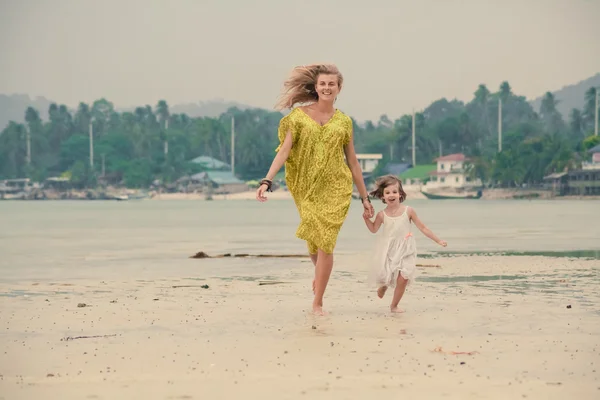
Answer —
13 151
577 123
482 95
550 115
82 118
589 112
162 110
505 91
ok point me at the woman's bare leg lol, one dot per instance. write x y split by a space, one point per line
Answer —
313 258
398 293
322 274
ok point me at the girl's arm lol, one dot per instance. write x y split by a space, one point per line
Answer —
373 226
426 231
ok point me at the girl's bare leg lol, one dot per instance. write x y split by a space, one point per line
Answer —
322 274
398 293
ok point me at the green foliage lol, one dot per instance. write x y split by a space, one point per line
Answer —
132 144
591 141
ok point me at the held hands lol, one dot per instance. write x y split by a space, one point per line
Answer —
368 209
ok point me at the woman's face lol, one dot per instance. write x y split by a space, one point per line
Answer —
327 87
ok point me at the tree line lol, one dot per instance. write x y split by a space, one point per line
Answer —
135 148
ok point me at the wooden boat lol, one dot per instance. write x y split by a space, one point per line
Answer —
446 195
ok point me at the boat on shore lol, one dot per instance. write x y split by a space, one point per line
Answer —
453 195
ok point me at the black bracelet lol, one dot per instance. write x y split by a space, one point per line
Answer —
267 182
362 199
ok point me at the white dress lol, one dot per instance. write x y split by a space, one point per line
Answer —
395 251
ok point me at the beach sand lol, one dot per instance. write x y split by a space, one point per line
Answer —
173 339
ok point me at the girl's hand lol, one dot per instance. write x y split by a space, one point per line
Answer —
260 193
443 243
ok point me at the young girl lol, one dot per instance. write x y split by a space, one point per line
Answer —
396 251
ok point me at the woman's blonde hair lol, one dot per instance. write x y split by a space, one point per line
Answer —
385 181
300 86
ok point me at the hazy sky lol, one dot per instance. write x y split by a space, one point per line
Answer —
394 54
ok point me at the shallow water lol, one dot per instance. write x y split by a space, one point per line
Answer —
148 238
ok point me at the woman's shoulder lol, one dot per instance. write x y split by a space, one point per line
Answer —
344 116
344 120
289 117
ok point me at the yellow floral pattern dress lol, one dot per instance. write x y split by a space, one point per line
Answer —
318 176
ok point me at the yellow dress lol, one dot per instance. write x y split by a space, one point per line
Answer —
318 176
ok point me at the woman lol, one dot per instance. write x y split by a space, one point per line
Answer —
313 140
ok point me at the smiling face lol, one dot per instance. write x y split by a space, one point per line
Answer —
391 194
327 87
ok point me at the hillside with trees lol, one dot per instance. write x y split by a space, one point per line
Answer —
131 144
571 96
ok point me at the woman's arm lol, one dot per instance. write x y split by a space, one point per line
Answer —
281 156
354 165
357 177
280 159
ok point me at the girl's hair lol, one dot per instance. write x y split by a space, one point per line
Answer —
300 85
385 181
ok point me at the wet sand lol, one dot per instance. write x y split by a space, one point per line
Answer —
174 339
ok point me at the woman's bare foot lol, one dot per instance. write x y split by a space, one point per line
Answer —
396 310
381 291
318 310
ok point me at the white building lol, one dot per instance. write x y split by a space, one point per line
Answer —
595 163
368 162
450 173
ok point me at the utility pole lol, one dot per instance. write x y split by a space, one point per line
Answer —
414 157
500 125
232 145
91 145
166 137
596 114
103 170
28 140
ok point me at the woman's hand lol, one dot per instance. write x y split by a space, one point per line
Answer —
368 208
260 193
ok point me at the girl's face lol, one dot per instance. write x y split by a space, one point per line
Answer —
391 194
327 87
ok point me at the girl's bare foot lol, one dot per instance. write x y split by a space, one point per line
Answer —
396 310
381 291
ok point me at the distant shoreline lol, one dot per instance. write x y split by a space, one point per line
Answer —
412 194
